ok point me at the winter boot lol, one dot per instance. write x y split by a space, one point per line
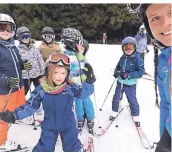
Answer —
137 120
90 125
80 125
113 116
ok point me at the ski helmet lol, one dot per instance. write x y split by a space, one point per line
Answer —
48 30
129 40
140 9
4 18
86 46
71 37
22 30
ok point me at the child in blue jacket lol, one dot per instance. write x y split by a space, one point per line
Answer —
81 72
157 21
84 107
57 97
129 69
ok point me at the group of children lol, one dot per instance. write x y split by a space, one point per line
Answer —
68 77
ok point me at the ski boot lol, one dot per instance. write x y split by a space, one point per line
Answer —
80 125
136 120
90 125
113 116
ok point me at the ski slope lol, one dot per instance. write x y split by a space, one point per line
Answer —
124 138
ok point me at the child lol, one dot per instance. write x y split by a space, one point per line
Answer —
73 40
48 45
57 98
11 83
129 69
84 107
31 54
157 21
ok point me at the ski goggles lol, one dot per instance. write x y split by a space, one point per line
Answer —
26 35
48 36
6 27
128 47
59 59
134 8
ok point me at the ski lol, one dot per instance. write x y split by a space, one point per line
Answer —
20 149
90 143
107 125
150 79
144 140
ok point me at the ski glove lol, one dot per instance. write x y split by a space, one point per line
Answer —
123 75
13 82
8 117
27 66
116 73
89 73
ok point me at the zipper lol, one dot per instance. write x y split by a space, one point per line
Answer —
15 65
124 64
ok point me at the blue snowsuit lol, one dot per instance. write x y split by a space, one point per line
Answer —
83 106
141 39
58 118
134 67
163 81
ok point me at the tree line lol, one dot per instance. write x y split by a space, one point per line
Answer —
91 19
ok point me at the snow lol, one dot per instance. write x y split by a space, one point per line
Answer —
124 138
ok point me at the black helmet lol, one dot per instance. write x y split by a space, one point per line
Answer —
86 46
140 9
71 37
48 30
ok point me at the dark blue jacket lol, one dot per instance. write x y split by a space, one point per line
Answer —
58 112
10 65
133 65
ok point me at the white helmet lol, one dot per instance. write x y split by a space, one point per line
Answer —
8 19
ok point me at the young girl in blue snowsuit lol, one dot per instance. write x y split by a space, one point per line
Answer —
57 97
81 72
129 69
157 21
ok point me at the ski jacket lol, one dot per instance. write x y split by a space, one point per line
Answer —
32 54
141 39
77 64
47 49
163 81
10 65
57 106
133 65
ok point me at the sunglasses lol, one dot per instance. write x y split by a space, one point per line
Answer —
60 59
6 27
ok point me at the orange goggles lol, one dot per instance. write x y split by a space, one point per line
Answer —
60 59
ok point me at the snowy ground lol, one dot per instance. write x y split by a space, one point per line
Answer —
124 138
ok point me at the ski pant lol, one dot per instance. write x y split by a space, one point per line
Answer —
27 83
164 145
48 139
16 99
130 91
84 106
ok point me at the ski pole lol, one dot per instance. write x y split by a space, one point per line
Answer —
121 94
35 128
96 110
107 94
6 101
